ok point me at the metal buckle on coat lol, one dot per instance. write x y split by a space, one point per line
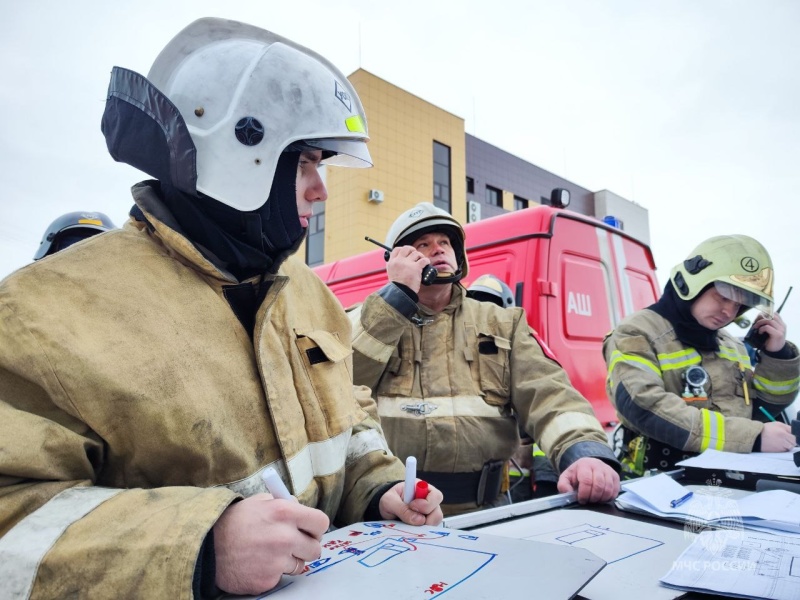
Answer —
420 408
420 321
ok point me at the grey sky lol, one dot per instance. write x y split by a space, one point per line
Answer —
688 107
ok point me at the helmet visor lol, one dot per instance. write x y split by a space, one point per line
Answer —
346 153
744 297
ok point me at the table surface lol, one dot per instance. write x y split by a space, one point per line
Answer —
611 509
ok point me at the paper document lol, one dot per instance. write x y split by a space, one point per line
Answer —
769 463
739 563
637 553
774 510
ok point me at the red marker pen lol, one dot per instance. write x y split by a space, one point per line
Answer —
421 490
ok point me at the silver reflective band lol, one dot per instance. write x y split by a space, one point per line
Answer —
315 460
24 547
365 442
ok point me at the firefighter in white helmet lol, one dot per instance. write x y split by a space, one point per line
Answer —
449 373
164 366
489 288
681 384
71 228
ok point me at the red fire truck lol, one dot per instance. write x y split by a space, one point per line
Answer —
576 277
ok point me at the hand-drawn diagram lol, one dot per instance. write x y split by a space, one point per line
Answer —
374 544
400 561
612 546
637 553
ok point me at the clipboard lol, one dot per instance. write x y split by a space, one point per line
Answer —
739 478
742 480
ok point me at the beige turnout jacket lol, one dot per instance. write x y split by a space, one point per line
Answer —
134 409
468 369
646 363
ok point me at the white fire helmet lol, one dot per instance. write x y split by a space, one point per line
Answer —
425 218
246 95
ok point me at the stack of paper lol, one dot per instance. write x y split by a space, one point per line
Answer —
739 563
767 463
777 511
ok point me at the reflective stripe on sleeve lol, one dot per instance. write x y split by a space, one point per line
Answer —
776 388
633 360
713 432
365 442
564 424
24 547
317 459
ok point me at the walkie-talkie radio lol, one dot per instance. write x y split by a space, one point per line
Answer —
429 274
755 338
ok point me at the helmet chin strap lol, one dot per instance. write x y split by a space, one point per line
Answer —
443 279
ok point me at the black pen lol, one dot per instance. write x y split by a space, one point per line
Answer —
678 501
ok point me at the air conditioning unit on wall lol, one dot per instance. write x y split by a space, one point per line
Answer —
473 211
375 196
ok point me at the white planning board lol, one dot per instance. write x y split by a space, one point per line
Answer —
638 554
393 561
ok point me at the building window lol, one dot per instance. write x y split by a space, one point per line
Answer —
315 241
441 176
494 197
520 203
470 185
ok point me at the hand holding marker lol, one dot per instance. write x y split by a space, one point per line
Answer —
279 491
413 489
275 485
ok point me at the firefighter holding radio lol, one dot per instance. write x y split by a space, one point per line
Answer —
681 384
453 376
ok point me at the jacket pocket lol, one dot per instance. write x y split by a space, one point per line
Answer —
493 366
328 377
398 377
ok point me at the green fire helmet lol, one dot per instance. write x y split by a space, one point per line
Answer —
492 289
739 267
427 218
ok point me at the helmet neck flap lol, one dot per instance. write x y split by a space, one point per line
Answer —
678 312
212 122
244 243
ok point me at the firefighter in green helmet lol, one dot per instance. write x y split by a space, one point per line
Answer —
681 384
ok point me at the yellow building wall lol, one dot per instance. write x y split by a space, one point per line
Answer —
508 200
402 129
